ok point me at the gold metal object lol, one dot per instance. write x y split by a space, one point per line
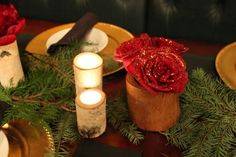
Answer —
225 64
26 140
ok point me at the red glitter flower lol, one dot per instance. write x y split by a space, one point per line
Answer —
155 63
128 50
11 24
158 71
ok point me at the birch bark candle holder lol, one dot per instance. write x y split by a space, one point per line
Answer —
91 113
11 71
87 71
4 145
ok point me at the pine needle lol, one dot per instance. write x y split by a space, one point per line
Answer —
118 117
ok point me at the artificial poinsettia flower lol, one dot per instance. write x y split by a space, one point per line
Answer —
11 24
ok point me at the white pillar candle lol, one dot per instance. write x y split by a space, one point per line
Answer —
91 112
11 71
4 145
87 71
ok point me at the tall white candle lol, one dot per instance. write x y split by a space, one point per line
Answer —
87 71
91 112
11 71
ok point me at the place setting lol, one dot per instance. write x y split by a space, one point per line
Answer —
103 39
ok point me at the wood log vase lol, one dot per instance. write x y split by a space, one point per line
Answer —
151 112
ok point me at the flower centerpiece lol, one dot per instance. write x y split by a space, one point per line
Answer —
11 24
156 74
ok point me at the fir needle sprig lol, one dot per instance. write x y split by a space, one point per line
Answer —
208 122
31 99
53 65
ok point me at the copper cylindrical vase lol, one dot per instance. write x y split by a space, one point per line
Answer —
151 112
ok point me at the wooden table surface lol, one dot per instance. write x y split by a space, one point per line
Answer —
154 145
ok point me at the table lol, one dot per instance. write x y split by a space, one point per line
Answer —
154 145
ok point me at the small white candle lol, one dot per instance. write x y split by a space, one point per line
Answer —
87 71
11 71
91 112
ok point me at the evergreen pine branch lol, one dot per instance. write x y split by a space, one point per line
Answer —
208 120
5 94
54 64
44 85
223 145
131 131
27 112
61 62
118 117
64 132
